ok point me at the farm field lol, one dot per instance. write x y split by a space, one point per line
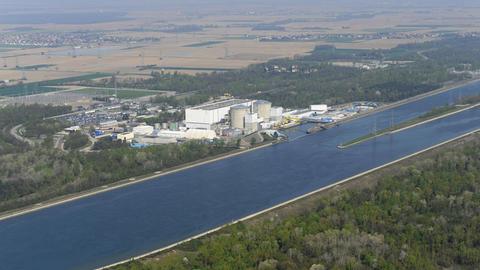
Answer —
219 40
33 88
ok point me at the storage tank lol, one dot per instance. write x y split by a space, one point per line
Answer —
252 122
263 108
237 116
276 113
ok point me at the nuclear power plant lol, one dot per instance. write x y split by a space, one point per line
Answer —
240 114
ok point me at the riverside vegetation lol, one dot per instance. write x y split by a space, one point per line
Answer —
30 174
426 216
434 113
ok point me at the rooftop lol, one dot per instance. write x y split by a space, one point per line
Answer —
221 104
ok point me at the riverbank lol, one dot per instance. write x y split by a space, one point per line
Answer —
307 201
421 120
445 88
380 204
124 183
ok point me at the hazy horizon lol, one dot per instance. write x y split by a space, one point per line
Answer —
192 5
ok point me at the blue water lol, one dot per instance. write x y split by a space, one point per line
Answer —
120 224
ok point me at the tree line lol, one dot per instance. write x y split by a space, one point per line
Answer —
427 216
413 69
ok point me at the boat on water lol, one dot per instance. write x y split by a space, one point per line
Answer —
316 129
318 119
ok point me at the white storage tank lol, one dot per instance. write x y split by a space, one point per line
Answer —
252 122
276 113
263 108
237 116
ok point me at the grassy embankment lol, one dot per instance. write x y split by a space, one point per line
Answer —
433 114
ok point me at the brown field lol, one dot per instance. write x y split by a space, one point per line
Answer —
234 52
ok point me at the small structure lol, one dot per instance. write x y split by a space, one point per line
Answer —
72 129
143 130
126 136
319 108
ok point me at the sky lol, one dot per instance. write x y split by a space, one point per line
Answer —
122 5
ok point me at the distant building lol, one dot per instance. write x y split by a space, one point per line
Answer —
109 124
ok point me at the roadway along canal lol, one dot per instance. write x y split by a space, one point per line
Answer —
117 225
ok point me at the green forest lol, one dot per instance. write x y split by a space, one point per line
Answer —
425 216
29 115
412 69
31 174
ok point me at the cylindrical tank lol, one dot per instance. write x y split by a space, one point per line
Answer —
237 116
263 109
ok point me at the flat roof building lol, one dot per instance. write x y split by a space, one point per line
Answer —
206 115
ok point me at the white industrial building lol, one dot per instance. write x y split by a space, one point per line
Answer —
204 116
143 130
191 134
109 124
156 140
319 108
126 136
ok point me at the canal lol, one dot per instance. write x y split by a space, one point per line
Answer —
119 224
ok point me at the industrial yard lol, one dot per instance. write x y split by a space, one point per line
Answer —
235 121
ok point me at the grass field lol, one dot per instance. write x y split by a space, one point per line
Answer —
203 44
194 68
20 91
35 67
45 86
